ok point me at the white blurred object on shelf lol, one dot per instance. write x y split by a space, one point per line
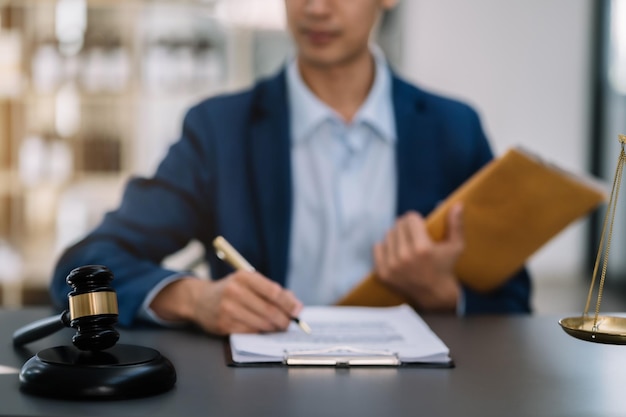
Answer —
10 62
44 161
67 110
118 64
81 207
258 14
10 276
105 69
47 68
70 25
183 50
60 162
32 157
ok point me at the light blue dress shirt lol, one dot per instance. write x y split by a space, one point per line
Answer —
344 183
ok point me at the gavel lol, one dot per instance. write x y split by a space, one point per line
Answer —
92 312
96 366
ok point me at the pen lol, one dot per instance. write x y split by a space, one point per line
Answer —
227 253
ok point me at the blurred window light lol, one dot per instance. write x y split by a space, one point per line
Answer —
70 25
617 65
259 14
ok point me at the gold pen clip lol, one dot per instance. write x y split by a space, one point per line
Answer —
227 253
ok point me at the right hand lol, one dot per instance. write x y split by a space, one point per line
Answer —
242 302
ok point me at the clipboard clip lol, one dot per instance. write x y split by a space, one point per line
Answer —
341 356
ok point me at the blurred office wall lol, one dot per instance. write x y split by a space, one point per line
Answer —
526 66
93 92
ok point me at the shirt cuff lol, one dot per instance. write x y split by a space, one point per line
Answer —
145 313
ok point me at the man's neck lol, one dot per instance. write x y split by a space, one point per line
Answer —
343 87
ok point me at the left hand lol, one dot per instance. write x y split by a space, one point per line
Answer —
421 269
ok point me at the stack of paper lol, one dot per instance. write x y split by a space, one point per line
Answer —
347 336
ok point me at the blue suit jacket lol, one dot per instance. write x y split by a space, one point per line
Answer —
230 175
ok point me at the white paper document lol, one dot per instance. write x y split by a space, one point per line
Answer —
346 335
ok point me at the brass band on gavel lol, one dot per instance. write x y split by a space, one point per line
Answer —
89 304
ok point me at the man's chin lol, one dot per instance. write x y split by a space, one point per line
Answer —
325 58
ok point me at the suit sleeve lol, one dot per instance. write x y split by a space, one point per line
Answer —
157 217
513 297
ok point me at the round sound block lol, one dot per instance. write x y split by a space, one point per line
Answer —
123 371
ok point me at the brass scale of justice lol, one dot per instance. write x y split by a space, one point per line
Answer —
600 328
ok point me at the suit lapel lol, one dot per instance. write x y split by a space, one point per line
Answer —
270 175
418 156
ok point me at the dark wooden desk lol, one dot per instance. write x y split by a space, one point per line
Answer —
506 366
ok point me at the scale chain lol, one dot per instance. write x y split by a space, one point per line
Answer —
609 213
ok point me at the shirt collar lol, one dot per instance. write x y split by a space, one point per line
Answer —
308 111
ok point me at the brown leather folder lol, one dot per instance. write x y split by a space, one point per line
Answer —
511 207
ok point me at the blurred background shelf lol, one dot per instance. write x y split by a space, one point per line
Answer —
92 92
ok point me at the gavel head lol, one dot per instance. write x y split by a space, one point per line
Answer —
93 307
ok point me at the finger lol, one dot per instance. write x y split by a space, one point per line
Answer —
284 299
399 240
380 261
389 244
275 299
402 238
230 324
238 327
252 308
289 303
415 230
268 316
259 323
454 232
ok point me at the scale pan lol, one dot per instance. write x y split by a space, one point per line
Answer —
611 330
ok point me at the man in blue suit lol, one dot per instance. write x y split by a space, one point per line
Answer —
317 176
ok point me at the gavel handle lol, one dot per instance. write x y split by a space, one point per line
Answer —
40 328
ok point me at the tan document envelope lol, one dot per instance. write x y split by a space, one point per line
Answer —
511 207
